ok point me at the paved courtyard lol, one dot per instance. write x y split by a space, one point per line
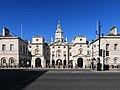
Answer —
58 80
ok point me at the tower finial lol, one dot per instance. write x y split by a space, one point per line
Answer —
58 21
58 26
59 33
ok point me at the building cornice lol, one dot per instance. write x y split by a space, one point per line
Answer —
37 43
108 37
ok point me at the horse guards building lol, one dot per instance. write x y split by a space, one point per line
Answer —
80 53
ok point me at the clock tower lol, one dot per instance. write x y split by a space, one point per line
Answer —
59 33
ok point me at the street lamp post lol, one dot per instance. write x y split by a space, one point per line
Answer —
92 58
99 34
103 60
99 28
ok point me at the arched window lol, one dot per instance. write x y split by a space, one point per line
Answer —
115 60
11 60
3 60
36 51
58 53
80 51
107 61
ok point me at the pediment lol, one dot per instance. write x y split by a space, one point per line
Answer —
79 55
37 55
59 43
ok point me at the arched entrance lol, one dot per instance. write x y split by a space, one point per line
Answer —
59 62
3 62
80 62
37 62
11 62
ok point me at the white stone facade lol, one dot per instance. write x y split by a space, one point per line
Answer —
79 53
59 53
13 50
37 50
109 43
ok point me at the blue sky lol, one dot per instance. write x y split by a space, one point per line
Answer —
39 17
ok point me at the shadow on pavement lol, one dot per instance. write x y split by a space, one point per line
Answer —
18 79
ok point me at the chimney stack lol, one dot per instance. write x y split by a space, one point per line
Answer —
5 31
113 30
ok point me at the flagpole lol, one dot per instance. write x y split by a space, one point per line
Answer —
21 30
97 32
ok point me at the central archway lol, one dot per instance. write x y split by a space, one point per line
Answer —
59 62
37 62
80 62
